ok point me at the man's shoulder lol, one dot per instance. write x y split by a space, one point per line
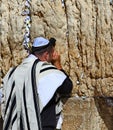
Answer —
8 74
47 66
49 69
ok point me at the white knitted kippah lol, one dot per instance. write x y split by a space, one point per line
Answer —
40 41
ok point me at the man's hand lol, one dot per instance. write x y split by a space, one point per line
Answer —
56 60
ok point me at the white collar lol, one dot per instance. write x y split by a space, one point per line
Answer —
31 56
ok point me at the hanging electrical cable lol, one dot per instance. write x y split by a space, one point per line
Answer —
27 25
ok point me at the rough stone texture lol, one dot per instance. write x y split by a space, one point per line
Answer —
84 33
88 114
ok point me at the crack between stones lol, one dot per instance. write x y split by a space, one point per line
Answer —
67 34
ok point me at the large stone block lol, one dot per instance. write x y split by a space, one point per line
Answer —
88 113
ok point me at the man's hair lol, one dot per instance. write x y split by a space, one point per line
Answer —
47 48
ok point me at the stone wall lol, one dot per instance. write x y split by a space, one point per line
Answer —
88 114
84 33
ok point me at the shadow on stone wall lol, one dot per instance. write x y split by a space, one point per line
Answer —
105 108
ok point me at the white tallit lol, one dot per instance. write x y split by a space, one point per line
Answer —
20 103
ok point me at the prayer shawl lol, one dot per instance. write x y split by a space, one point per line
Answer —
21 97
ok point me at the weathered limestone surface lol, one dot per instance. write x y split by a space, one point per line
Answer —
84 33
88 114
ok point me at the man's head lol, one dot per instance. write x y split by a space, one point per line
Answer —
43 48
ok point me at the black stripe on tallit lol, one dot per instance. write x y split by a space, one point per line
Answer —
13 104
25 105
21 122
14 118
48 68
12 72
58 114
35 94
57 100
7 104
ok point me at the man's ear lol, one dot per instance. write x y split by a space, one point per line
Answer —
46 56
